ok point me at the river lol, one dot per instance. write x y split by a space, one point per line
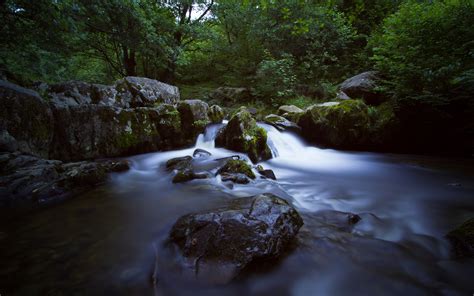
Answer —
106 241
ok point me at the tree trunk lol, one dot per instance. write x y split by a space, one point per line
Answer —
129 62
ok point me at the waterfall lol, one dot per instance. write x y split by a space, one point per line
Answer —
207 139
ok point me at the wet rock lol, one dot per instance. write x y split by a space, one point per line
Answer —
237 167
26 121
179 163
462 239
29 180
343 124
236 178
188 175
269 174
242 134
201 153
194 118
363 86
282 123
250 229
216 114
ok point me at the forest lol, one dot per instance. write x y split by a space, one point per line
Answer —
285 52
236 147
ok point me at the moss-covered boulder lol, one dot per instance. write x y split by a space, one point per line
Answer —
349 124
194 118
242 134
337 124
26 121
216 114
462 239
94 131
233 166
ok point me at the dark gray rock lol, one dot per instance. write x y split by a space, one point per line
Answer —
26 121
363 86
236 167
237 178
194 118
179 163
282 123
29 180
250 229
201 153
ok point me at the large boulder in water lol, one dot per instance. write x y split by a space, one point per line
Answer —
462 239
216 114
26 121
363 86
343 124
226 240
194 118
242 134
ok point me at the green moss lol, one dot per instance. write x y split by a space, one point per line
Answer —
237 167
127 140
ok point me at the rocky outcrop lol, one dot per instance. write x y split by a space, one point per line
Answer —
281 123
242 134
224 241
144 92
363 86
94 131
194 118
129 92
216 114
462 239
27 180
26 121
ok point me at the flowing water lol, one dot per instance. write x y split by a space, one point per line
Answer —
106 241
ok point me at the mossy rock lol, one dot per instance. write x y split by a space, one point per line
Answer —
462 239
216 114
194 118
242 134
233 166
337 124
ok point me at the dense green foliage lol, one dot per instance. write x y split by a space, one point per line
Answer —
288 51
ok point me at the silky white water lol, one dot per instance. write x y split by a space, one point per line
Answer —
107 241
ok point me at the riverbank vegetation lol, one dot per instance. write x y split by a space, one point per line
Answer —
282 52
